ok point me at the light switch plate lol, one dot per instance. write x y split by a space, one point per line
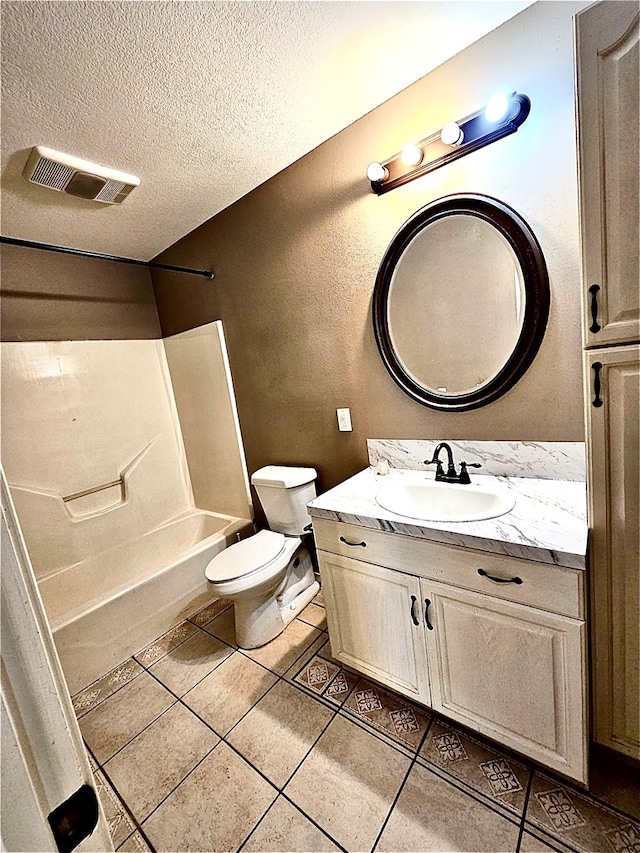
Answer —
344 420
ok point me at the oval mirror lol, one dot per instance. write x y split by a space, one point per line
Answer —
461 302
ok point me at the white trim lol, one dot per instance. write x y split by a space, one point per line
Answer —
37 709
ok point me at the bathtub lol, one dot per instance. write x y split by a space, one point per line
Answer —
105 608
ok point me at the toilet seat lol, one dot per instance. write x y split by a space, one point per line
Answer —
247 557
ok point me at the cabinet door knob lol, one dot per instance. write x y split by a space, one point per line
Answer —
353 544
427 604
498 580
413 610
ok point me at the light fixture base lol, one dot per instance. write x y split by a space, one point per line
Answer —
476 132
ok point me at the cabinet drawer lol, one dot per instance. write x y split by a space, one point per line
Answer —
547 587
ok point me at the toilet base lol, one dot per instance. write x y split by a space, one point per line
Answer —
260 619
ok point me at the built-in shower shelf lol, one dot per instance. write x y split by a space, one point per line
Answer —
100 498
94 489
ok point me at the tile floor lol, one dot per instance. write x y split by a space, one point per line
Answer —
197 745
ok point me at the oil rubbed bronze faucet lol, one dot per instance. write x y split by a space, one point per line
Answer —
451 476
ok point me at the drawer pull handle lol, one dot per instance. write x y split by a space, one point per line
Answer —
353 544
498 580
413 610
427 604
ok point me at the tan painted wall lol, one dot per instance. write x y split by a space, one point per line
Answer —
296 260
53 297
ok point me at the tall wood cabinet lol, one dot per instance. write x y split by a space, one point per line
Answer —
608 117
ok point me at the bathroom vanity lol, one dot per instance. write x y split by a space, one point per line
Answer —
483 621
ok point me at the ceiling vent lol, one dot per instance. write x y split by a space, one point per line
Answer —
62 172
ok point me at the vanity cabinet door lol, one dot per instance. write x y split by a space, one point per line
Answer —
607 77
514 673
375 623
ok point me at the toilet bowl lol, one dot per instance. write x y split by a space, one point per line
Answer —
269 576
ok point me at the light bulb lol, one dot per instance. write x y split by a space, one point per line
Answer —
411 154
451 133
376 172
497 108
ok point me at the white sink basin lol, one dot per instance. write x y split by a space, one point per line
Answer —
431 501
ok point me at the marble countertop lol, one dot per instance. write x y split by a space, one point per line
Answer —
548 523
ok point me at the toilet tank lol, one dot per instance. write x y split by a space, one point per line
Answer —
284 493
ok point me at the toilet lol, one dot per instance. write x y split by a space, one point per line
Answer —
269 576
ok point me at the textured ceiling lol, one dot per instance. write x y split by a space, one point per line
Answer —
202 100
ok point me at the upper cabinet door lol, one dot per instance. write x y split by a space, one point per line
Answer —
607 69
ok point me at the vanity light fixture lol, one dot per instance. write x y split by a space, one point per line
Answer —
412 154
497 107
502 115
451 133
377 173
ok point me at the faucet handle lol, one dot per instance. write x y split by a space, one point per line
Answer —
438 464
464 474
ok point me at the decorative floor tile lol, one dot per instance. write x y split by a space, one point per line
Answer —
107 684
500 776
120 823
387 712
496 776
348 783
327 679
319 599
625 838
284 827
310 652
433 815
449 747
279 731
340 688
560 809
579 821
206 614
317 674
123 715
367 700
159 648
214 809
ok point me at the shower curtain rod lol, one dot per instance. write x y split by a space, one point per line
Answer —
13 241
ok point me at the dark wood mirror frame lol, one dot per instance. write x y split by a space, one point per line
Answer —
536 309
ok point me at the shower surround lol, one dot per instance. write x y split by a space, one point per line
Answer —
126 467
